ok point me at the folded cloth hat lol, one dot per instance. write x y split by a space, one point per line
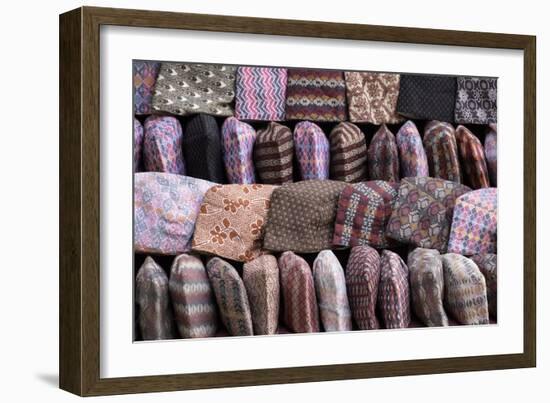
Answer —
363 213
231 221
155 316
165 209
145 76
362 279
332 298
192 298
237 146
231 297
260 93
476 100
422 212
441 150
472 158
490 146
300 311
427 97
465 290
348 153
382 156
183 89
273 152
393 291
372 97
301 217
487 264
427 286
412 156
312 151
261 280
162 145
202 149
316 95
138 144
474 228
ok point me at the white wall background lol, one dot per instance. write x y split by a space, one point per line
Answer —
29 198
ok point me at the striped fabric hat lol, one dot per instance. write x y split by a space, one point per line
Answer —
363 213
273 153
138 144
465 290
162 145
393 291
472 158
312 151
474 228
441 150
300 311
192 298
348 153
260 93
383 157
330 286
237 146
427 286
412 156
362 279
231 297
261 280
145 77
490 146
487 264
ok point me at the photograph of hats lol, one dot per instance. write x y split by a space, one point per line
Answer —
270 201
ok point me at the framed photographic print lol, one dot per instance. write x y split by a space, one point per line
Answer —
249 201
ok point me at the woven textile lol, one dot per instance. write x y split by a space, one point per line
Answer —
383 157
237 145
301 217
231 221
273 152
202 149
312 151
261 280
362 279
372 97
476 100
138 144
162 145
422 212
393 291
472 159
154 314
192 298
412 156
316 95
165 209
487 264
465 290
363 213
348 153
427 97
332 298
183 89
474 228
300 311
427 286
260 93
441 151
490 147
145 76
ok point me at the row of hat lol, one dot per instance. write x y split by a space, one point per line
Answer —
376 290
276 94
276 155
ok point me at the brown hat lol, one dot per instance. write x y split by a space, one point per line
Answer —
348 153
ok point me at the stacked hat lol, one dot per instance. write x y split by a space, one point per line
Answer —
412 156
138 144
487 264
301 217
441 150
490 146
145 76
273 152
476 100
363 213
312 151
348 153
162 145
393 291
472 157
383 157
237 147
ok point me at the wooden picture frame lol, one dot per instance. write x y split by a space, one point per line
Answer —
80 184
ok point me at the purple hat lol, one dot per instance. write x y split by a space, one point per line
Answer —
138 144
393 291
491 153
145 76
162 150
412 156
312 151
237 146
383 157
